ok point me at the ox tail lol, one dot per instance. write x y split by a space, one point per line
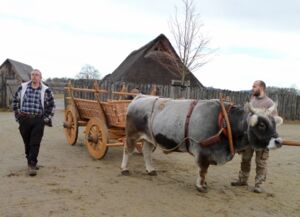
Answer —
130 144
131 136
129 147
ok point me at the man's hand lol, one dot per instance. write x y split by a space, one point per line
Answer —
48 122
19 117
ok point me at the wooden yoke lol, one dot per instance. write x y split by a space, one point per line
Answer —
226 130
228 126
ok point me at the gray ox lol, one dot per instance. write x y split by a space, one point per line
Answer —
160 121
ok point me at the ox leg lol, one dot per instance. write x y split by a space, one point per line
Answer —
147 153
128 149
201 183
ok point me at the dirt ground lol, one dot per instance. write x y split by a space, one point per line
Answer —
71 183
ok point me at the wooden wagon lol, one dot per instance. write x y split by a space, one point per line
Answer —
104 121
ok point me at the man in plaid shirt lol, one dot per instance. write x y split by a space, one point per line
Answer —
33 105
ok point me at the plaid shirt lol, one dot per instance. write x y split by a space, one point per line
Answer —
32 102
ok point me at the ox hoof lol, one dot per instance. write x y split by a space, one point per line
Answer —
152 173
202 189
125 172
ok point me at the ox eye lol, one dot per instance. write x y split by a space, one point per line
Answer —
261 126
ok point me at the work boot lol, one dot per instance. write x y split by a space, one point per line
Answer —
32 171
257 189
239 183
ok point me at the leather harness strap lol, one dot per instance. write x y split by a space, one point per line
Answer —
222 124
187 122
225 128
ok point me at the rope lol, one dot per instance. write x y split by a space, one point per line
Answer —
151 121
176 147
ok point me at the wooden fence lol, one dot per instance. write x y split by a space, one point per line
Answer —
288 102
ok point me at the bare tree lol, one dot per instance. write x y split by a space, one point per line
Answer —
88 72
190 43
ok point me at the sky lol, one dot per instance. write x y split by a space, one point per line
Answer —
253 40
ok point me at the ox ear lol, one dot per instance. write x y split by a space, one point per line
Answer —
278 120
253 120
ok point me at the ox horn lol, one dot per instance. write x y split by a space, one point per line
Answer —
252 109
271 109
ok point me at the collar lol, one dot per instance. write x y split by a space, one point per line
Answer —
260 97
30 85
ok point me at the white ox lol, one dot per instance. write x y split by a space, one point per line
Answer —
163 122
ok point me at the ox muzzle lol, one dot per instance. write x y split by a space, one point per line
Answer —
275 143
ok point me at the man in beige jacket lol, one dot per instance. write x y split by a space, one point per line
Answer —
259 99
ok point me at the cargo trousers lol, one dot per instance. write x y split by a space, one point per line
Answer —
261 157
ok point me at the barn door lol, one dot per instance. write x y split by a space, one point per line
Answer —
180 91
11 88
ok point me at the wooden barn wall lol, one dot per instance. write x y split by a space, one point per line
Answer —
8 85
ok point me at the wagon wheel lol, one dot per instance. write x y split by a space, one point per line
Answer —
71 125
96 138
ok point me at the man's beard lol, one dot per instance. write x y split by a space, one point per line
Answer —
256 93
35 82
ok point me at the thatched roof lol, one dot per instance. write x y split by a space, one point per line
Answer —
23 70
156 62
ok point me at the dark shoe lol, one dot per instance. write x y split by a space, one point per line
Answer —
239 183
32 171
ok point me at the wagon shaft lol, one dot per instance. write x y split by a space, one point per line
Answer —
290 142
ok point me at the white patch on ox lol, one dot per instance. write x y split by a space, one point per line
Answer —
275 143
253 120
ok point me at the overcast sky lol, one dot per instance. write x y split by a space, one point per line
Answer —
254 39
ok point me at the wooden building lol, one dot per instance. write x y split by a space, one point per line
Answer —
155 63
12 74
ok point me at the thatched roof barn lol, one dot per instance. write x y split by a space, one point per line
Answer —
155 63
12 74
